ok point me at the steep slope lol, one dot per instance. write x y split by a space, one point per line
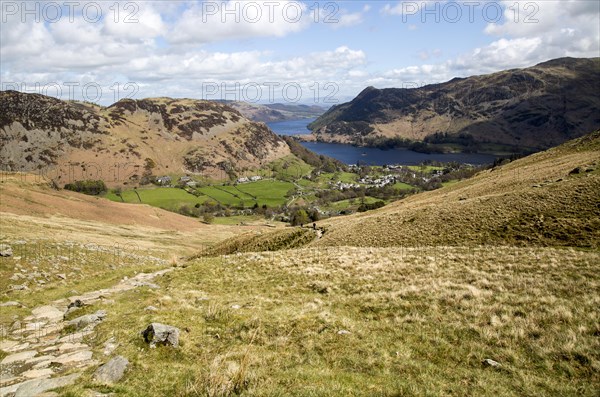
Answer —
524 109
130 138
549 198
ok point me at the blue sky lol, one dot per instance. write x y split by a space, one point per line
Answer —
196 49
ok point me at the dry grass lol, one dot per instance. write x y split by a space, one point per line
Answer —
420 322
532 201
30 209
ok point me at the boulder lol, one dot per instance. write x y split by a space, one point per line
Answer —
161 334
112 372
10 303
76 303
5 250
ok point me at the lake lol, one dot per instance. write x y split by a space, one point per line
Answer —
372 156
291 127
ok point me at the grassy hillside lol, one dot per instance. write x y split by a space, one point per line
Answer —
536 200
30 208
364 322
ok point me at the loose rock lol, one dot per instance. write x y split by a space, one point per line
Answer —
491 363
5 250
161 334
38 373
112 371
110 346
76 303
49 313
10 303
17 357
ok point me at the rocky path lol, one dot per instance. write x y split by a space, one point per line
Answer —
43 356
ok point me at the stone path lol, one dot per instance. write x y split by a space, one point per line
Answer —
41 358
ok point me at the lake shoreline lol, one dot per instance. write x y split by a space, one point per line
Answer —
447 150
350 153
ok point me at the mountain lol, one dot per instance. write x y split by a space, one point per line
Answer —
517 110
275 111
131 137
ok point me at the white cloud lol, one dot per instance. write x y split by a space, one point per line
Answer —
206 22
536 31
531 32
138 22
347 19
173 51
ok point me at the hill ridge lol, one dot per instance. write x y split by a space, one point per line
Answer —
516 110
152 135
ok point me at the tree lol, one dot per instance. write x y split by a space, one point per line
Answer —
208 217
91 187
314 215
299 218
119 193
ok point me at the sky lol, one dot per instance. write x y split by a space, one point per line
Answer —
310 52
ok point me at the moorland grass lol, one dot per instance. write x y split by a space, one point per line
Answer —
420 322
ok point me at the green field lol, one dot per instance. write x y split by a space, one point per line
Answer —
269 192
165 197
427 168
402 186
222 196
346 177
